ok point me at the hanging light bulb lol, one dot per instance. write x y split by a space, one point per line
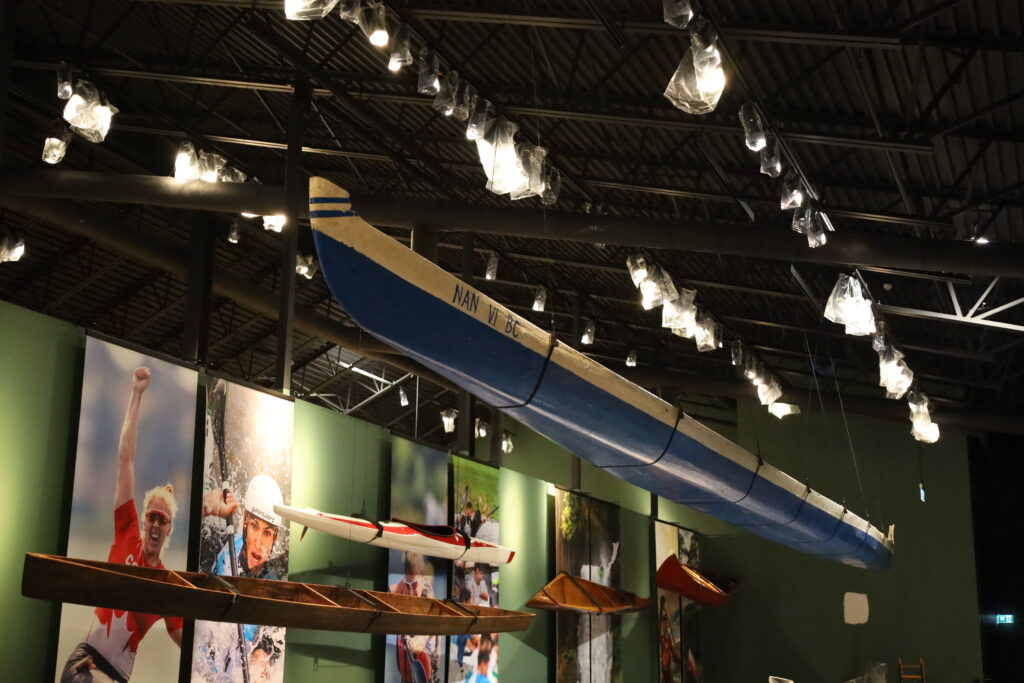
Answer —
427 82
481 428
552 185
480 119
771 162
235 233
64 88
792 192
848 306
303 10
781 410
403 398
351 10
532 158
448 419
305 266
500 159
680 313
769 391
698 81
677 13
274 223
12 247
637 265
506 443
631 358
540 297
738 353
401 52
373 21
893 373
56 144
753 127
922 427
87 113
491 271
656 288
465 100
447 94
210 166
589 333
706 334
186 163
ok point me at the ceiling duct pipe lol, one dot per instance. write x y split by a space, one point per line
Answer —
844 248
80 220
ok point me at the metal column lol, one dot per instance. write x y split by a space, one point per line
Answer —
295 190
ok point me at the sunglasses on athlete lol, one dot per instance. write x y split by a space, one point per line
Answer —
158 518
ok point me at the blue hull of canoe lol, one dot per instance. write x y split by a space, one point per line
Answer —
581 417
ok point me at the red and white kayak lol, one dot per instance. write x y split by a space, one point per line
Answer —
435 541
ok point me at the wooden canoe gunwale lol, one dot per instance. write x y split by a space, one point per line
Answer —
194 595
619 601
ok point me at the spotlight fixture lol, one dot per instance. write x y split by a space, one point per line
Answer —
373 21
448 419
12 247
401 54
403 398
677 13
274 223
64 89
753 127
305 266
56 144
303 10
540 297
589 333
781 410
88 113
792 192
698 82
506 443
491 272
235 232
631 358
480 428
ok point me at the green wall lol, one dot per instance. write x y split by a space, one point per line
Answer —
784 619
40 369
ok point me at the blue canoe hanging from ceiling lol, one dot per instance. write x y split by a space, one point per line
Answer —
508 362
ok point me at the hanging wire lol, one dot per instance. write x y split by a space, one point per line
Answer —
849 438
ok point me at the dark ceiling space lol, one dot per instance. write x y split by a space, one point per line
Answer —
905 116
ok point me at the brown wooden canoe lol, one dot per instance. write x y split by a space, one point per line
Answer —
568 593
673 575
194 595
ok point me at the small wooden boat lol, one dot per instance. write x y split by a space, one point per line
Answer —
194 595
506 361
675 576
436 541
568 593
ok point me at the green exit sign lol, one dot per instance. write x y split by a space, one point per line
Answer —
1004 618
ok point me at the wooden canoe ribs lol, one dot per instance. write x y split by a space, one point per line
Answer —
194 595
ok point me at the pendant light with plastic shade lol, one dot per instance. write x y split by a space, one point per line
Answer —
55 146
401 52
305 10
698 82
373 22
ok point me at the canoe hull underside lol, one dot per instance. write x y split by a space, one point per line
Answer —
456 331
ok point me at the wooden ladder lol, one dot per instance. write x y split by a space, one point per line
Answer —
912 672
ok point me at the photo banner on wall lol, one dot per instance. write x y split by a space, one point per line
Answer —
419 493
129 505
474 658
587 545
678 617
247 469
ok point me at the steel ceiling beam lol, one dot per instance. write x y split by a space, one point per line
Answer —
844 248
758 33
